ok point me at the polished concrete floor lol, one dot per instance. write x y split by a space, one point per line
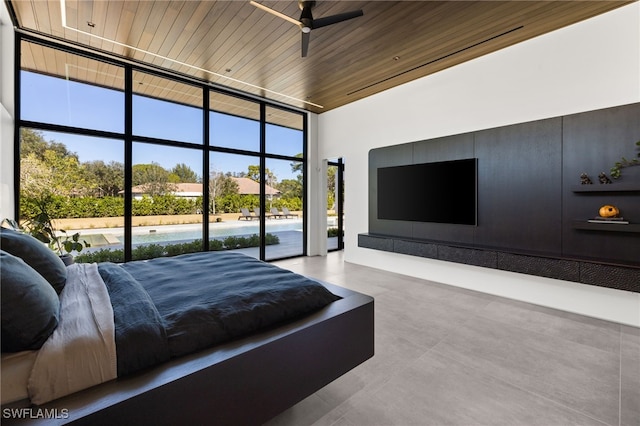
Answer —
449 356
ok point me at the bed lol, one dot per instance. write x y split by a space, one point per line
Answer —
286 337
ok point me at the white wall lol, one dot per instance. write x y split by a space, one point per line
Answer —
316 204
7 115
590 65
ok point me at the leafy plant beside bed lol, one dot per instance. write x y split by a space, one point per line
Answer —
40 225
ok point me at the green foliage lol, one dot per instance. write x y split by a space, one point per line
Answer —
153 177
253 173
221 190
271 239
182 248
50 173
333 232
615 170
185 174
150 251
290 188
107 179
216 245
39 224
62 207
292 203
297 166
234 242
93 189
32 142
231 203
164 205
102 255
73 243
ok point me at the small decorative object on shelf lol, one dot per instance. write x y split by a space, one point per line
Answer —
585 179
604 178
609 214
608 211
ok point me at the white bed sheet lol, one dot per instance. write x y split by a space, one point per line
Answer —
15 368
81 351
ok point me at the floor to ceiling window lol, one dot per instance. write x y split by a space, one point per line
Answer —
284 178
166 172
140 163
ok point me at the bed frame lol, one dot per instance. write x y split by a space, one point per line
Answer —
244 382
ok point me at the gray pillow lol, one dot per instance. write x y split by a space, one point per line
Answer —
35 254
30 306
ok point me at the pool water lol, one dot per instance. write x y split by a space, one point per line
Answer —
161 234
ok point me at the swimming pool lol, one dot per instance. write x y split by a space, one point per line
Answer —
165 233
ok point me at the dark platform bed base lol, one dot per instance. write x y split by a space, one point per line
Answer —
243 382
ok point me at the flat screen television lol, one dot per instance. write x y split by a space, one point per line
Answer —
441 192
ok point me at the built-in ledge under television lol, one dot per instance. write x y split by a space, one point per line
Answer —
442 192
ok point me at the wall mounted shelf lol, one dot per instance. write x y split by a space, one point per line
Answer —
607 227
613 187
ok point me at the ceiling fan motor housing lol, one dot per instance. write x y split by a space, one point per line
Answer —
306 18
302 4
306 22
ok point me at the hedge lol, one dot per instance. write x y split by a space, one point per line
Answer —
63 207
150 251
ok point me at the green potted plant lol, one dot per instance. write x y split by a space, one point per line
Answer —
40 225
615 170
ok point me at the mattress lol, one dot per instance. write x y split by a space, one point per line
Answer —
15 370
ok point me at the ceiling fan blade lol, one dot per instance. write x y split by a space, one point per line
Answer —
275 12
334 19
305 43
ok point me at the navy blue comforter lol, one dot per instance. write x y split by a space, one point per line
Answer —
168 307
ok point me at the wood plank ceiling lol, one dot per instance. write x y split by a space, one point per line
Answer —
236 45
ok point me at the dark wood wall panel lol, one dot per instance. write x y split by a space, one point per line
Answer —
520 186
593 142
530 201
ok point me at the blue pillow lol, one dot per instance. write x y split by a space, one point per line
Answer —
30 306
35 254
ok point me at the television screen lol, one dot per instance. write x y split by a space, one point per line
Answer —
442 192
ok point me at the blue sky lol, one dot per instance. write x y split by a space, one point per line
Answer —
64 102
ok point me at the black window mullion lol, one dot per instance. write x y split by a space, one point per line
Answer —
263 165
340 203
128 160
205 169
304 185
17 66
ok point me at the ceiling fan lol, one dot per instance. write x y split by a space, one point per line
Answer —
306 22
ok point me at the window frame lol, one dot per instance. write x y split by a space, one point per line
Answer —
128 137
